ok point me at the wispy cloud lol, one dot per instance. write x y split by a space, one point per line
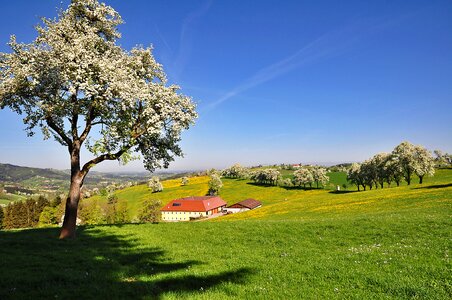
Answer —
186 38
162 38
328 45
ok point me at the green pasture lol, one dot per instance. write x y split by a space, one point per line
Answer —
391 243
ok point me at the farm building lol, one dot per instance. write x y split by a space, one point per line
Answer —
244 205
192 207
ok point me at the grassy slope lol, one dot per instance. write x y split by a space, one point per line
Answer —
7 198
385 243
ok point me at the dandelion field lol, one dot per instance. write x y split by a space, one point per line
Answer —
391 243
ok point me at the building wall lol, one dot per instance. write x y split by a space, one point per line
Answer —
181 215
236 209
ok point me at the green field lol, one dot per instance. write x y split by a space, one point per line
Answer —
391 243
5 199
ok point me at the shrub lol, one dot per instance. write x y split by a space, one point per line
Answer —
116 211
150 211
215 184
48 217
91 213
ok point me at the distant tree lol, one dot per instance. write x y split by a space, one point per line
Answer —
285 182
48 217
41 203
319 176
91 213
302 177
110 210
354 175
103 192
235 171
266 176
30 208
393 170
155 185
20 214
368 174
150 211
425 163
7 217
404 154
122 215
379 171
116 211
184 180
439 158
215 184
74 80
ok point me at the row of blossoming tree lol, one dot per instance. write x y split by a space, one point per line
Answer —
303 176
405 161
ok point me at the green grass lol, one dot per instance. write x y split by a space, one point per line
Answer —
382 244
7 198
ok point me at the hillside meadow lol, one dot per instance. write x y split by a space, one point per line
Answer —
391 243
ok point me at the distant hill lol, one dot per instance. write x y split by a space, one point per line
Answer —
12 173
51 179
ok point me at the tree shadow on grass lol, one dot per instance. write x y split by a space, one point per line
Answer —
301 188
435 186
261 184
342 192
36 265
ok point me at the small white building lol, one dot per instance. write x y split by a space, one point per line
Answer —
244 205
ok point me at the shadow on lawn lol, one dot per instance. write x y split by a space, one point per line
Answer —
35 264
342 192
435 186
301 188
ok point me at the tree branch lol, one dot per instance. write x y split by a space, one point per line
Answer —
58 130
74 119
89 123
101 158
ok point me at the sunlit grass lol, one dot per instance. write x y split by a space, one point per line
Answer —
391 243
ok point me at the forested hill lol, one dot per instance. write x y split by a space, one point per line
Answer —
36 177
12 173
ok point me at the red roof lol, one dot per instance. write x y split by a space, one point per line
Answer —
248 203
195 204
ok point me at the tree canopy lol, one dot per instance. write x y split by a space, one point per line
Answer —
77 85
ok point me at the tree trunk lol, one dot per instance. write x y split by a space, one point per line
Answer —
420 179
70 214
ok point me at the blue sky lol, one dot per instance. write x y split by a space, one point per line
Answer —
278 81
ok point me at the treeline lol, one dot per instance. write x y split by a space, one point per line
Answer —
405 161
302 176
307 175
42 213
25 214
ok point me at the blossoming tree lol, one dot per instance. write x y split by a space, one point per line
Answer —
77 85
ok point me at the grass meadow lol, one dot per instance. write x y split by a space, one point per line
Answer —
391 243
